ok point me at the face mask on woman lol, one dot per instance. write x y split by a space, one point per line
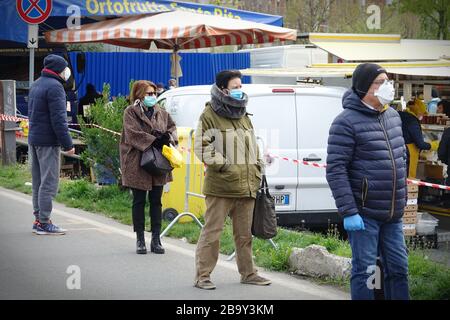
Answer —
149 101
385 92
237 94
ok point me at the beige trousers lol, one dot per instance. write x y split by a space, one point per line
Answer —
217 209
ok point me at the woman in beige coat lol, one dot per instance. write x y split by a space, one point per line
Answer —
145 124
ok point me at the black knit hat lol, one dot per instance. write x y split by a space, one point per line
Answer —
223 77
363 77
55 63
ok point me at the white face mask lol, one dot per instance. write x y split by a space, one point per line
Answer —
66 74
386 92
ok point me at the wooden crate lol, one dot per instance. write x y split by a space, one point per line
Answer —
434 171
413 188
409 230
409 220
412 207
410 214
413 195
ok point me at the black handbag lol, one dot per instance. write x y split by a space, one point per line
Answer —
264 225
154 162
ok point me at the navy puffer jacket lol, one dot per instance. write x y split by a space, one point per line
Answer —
366 163
47 113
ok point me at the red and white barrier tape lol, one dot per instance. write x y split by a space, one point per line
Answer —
428 184
410 181
97 126
306 163
4 117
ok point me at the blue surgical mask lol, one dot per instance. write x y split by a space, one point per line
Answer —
236 94
149 101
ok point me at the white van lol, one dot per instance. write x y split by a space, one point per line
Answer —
292 122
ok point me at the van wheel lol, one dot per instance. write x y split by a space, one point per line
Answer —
169 214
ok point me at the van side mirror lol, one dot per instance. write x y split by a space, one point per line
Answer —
81 62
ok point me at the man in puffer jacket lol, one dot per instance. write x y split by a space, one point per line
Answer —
366 171
48 134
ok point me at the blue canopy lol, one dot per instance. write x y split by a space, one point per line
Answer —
13 28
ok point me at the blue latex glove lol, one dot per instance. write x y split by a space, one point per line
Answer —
354 223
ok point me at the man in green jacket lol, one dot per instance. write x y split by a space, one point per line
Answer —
225 142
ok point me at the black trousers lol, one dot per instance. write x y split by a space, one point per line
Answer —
138 209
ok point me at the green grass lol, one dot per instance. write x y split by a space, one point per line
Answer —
428 279
15 177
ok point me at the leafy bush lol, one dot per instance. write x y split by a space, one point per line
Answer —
103 146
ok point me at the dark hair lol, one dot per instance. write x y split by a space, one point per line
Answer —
434 93
90 88
446 105
223 77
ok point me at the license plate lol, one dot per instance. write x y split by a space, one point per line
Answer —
281 199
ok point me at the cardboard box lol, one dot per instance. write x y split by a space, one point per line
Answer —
410 214
409 233
434 171
409 220
413 188
413 195
412 207
409 230
421 171
411 202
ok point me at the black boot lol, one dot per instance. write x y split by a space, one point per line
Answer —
140 243
155 245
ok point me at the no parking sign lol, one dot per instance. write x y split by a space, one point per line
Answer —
34 11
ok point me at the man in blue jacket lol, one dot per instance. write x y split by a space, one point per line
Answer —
48 132
366 171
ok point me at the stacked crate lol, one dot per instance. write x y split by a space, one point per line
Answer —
410 215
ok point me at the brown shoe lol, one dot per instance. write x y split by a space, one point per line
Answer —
205 284
256 280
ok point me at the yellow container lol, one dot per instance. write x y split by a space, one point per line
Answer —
173 199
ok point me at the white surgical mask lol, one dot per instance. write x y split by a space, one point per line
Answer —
386 92
66 74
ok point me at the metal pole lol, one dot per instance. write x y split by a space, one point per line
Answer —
31 71
178 218
188 173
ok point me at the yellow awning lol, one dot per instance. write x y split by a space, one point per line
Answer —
367 47
439 68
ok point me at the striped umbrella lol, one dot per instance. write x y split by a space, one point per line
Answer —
173 30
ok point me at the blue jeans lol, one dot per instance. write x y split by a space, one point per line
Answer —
387 240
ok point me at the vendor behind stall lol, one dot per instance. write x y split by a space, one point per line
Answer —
412 133
443 107
444 152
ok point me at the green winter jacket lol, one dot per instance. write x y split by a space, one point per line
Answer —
229 150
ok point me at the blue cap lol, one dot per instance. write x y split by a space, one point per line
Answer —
55 63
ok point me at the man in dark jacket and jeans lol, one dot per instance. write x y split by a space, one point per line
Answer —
47 113
366 171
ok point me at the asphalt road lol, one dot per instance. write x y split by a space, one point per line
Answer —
96 260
